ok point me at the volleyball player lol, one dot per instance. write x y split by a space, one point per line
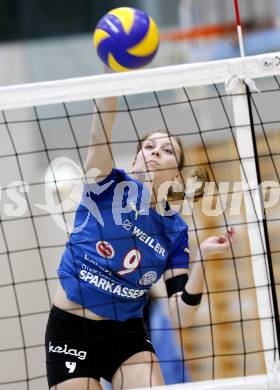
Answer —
95 328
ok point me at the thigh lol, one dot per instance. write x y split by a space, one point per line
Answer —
78 383
70 353
140 370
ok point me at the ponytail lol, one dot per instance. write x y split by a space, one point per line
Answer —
202 176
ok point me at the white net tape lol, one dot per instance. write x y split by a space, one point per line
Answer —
40 122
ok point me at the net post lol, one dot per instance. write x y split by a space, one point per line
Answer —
259 246
265 228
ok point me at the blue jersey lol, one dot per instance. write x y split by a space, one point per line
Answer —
119 247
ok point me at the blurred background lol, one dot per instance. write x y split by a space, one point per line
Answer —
42 41
53 40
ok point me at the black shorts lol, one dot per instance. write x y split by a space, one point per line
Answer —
79 347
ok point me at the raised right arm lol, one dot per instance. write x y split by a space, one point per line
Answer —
99 154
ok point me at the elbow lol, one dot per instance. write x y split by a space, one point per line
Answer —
182 314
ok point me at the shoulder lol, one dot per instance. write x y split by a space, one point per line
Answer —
125 182
93 178
122 174
113 186
175 219
182 225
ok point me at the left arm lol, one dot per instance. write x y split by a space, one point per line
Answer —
184 304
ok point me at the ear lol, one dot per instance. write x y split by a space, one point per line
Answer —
178 176
132 165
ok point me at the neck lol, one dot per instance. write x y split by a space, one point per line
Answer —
150 182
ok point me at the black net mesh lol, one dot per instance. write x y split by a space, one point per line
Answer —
226 337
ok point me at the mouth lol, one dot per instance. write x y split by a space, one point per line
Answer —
152 161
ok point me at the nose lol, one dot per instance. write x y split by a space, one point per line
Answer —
155 152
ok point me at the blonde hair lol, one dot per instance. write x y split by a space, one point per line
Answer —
200 173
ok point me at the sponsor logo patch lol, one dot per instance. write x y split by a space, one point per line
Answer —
134 208
105 249
148 278
150 241
67 351
110 286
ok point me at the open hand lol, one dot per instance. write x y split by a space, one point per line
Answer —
218 244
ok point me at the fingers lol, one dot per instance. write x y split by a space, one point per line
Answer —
228 238
219 244
223 244
230 231
222 239
231 234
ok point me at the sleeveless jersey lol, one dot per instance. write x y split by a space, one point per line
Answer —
119 247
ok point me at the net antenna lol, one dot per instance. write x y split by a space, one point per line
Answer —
254 208
239 29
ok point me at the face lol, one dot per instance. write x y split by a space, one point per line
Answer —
160 154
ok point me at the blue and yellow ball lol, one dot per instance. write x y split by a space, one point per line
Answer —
126 38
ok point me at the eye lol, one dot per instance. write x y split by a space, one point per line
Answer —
148 147
169 151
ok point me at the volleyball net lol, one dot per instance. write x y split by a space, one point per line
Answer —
227 124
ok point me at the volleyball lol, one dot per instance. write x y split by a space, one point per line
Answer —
126 38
